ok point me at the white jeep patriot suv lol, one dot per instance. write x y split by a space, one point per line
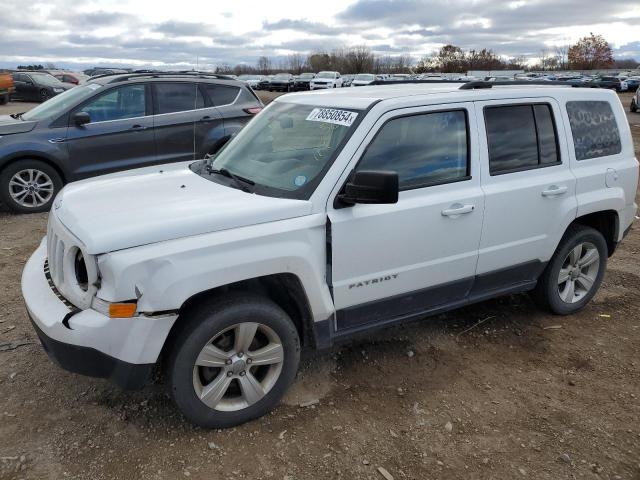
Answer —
331 213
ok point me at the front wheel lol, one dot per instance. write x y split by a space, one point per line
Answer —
233 360
575 271
29 186
633 107
44 95
4 99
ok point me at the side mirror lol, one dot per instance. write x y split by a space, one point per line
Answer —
81 118
372 187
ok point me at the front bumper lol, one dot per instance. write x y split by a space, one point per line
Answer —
87 342
319 86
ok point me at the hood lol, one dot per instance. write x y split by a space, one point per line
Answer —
9 125
154 204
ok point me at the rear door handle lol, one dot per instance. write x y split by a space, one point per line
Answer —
554 190
138 127
206 118
457 209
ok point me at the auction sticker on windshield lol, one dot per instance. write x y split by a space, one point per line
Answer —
331 115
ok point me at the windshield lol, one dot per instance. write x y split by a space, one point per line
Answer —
281 76
45 79
306 75
326 75
61 103
286 148
365 77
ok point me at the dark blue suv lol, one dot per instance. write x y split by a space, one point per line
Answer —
117 122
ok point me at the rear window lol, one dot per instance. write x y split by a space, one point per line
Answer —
221 94
520 137
178 97
594 129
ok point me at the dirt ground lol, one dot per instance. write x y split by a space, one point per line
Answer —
499 390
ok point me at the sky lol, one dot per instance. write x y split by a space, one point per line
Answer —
190 33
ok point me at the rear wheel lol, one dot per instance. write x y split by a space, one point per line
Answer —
575 271
233 360
29 186
633 107
4 99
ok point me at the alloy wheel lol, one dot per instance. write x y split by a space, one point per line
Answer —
238 366
31 188
579 272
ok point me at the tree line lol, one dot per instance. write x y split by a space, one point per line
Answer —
589 53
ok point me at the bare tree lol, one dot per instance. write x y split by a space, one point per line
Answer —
359 60
562 57
264 65
295 63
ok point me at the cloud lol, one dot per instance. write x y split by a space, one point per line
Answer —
83 32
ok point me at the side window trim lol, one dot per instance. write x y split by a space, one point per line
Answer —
466 177
529 167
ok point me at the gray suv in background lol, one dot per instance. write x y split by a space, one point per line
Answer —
117 122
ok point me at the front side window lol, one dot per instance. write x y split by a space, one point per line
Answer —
520 137
423 149
117 104
287 148
594 129
177 97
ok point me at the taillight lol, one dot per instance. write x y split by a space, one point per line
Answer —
253 110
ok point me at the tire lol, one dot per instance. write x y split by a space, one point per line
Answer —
29 173
218 321
633 107
44 95
4 99
578 267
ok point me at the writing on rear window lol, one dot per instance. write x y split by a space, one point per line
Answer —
331 115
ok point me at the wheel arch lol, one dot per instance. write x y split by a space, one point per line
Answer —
607 222
284 289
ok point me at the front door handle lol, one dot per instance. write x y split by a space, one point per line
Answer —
554 190
138 127
206 118
457 209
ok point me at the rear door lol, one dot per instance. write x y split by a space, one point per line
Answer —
119 136
529 189
178 106
231 102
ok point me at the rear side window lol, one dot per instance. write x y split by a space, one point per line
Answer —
520 137
426 149
594 129
221 94
177 97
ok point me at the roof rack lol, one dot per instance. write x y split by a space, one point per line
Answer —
122 77
480 84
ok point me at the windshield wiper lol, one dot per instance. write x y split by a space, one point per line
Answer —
16 115
239 181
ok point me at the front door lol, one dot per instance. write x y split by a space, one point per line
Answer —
118 137
390 262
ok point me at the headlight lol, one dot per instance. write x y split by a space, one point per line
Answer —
58 90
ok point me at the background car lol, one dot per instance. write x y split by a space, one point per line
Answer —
93 72
326 79
6 87
252 80
347 79
263 84
303 81
113 123
633 83
362 79
613 83
635 101
37 86
281 82
69 77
